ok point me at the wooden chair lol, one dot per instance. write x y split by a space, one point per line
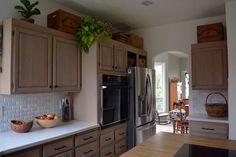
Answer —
179 123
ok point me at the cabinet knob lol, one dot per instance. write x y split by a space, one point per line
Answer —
50 86
55 86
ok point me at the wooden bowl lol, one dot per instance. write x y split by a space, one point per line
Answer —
47 123
21 126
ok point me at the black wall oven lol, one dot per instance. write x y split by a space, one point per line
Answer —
114 99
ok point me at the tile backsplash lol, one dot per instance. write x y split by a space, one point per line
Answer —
198 100
27 106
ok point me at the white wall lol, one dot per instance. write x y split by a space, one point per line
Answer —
231 34
173 67
46 7
177 37
28 106
173 37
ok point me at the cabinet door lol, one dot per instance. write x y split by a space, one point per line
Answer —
31 152
66 63
209 66
106 57
120 59
65 154
33 61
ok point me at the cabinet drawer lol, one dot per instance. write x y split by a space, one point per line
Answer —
57 147
216 130
108 151
121 147
107 139
120 133
89 150
31 152
66 154
85 138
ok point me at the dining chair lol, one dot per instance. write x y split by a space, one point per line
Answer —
180 124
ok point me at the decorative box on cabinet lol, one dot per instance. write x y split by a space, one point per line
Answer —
38 59
209 66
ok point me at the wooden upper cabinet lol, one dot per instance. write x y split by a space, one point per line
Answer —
209 65
105 56
38 59
112 57
33 64
120 59
66 63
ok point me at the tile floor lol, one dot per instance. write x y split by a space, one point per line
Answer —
164 128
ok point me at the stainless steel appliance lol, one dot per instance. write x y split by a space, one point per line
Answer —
114 99
141 124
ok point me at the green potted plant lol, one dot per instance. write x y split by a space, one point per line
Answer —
91 29
27 10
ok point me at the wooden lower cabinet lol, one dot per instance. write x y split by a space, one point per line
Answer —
58 146
113 141
121 146
109 151
209 129
66 154
88 150
31 152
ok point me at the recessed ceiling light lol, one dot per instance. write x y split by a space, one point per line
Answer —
147 3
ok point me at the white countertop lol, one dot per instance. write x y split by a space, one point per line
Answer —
11 141
206 118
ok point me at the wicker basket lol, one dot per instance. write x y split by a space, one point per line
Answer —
217 109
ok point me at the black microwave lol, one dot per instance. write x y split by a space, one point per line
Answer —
114 99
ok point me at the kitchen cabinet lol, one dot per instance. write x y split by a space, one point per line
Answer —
113 140
66 154
209 129
33 62
209 66
112 57
31 152
38 59
86 144
66 59
57 147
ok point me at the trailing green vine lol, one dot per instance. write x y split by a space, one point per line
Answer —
90 30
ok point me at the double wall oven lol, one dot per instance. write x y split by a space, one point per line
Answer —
113 99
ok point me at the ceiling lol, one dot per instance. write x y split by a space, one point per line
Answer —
131 14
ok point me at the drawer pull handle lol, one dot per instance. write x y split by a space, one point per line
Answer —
88 151
58 148
121 133
108 153
122 146
108 139
85 139
208 129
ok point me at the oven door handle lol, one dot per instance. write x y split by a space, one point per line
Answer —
106 87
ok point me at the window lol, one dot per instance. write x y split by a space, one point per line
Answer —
160 87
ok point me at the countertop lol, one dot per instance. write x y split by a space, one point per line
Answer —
167 144
11 141
205 118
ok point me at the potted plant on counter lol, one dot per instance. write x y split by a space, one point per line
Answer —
27 10
90 30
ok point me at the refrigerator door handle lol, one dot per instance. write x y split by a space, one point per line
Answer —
149 94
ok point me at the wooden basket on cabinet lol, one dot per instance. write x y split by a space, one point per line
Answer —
217 109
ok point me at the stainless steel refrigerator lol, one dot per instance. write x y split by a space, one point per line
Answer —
141 124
